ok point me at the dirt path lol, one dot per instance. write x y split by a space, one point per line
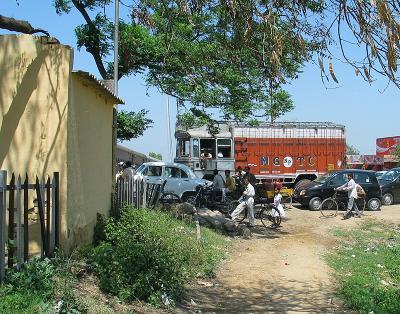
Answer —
278 270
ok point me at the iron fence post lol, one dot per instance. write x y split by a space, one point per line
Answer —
3 194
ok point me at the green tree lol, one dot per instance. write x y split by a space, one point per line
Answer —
396 153
351 150
205 53
155 155
131 124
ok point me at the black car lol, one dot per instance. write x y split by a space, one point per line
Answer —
313 193
390 185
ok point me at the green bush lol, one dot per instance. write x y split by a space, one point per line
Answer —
149 253
38 286
28 290
368 268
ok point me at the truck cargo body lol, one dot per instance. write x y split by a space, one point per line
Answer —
289 151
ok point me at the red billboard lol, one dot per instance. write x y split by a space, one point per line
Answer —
386 146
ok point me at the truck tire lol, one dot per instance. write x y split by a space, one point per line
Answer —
315 203
300 183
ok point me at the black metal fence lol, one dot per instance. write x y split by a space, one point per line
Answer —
15 198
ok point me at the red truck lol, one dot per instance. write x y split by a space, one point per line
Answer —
288 151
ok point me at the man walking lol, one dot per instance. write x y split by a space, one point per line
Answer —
247 201
351 187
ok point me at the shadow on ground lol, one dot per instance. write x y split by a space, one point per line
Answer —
293 296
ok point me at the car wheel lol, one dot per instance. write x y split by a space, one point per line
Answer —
374 204
315 203
387 199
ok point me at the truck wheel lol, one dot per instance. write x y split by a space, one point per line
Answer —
387 199
315 203
300 183
374 204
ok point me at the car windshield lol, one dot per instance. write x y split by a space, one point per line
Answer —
140 169
390 175
322 178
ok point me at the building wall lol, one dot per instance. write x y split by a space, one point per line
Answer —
89 159
34 83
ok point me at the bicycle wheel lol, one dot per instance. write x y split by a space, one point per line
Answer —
169 199
270 218
361 204
192 199
287 202
224 207
241 216
329 207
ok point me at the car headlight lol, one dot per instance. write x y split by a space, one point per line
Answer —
303 192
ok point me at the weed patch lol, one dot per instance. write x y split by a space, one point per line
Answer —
39 286
367 267
149 255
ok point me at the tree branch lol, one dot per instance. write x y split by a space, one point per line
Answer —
19 26
94 51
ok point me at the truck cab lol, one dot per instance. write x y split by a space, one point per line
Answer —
203 152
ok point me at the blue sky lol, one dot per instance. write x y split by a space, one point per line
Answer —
365 110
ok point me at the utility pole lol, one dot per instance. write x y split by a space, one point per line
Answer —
169 132
116 36
114 128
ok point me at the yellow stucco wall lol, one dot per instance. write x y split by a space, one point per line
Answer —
34 84
52 119
89 158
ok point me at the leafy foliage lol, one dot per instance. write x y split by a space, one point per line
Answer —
132 124
396 153
213 54
149 253
38 286
367 267
155 155
351 150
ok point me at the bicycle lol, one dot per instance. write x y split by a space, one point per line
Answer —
268 214
330 206
287 200
204 198
168 199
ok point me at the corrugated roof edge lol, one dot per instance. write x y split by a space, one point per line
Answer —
91 78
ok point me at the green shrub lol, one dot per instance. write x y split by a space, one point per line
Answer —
28 290
38 286
149 253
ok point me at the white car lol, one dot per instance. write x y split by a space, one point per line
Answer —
181 180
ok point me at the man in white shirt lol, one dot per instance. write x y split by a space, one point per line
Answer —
247 201
351 188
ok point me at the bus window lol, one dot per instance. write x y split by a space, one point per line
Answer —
183 148
207 147
196 148
224 148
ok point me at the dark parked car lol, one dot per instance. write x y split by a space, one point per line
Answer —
313 193
390 185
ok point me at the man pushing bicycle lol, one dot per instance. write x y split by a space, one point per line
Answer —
247 200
